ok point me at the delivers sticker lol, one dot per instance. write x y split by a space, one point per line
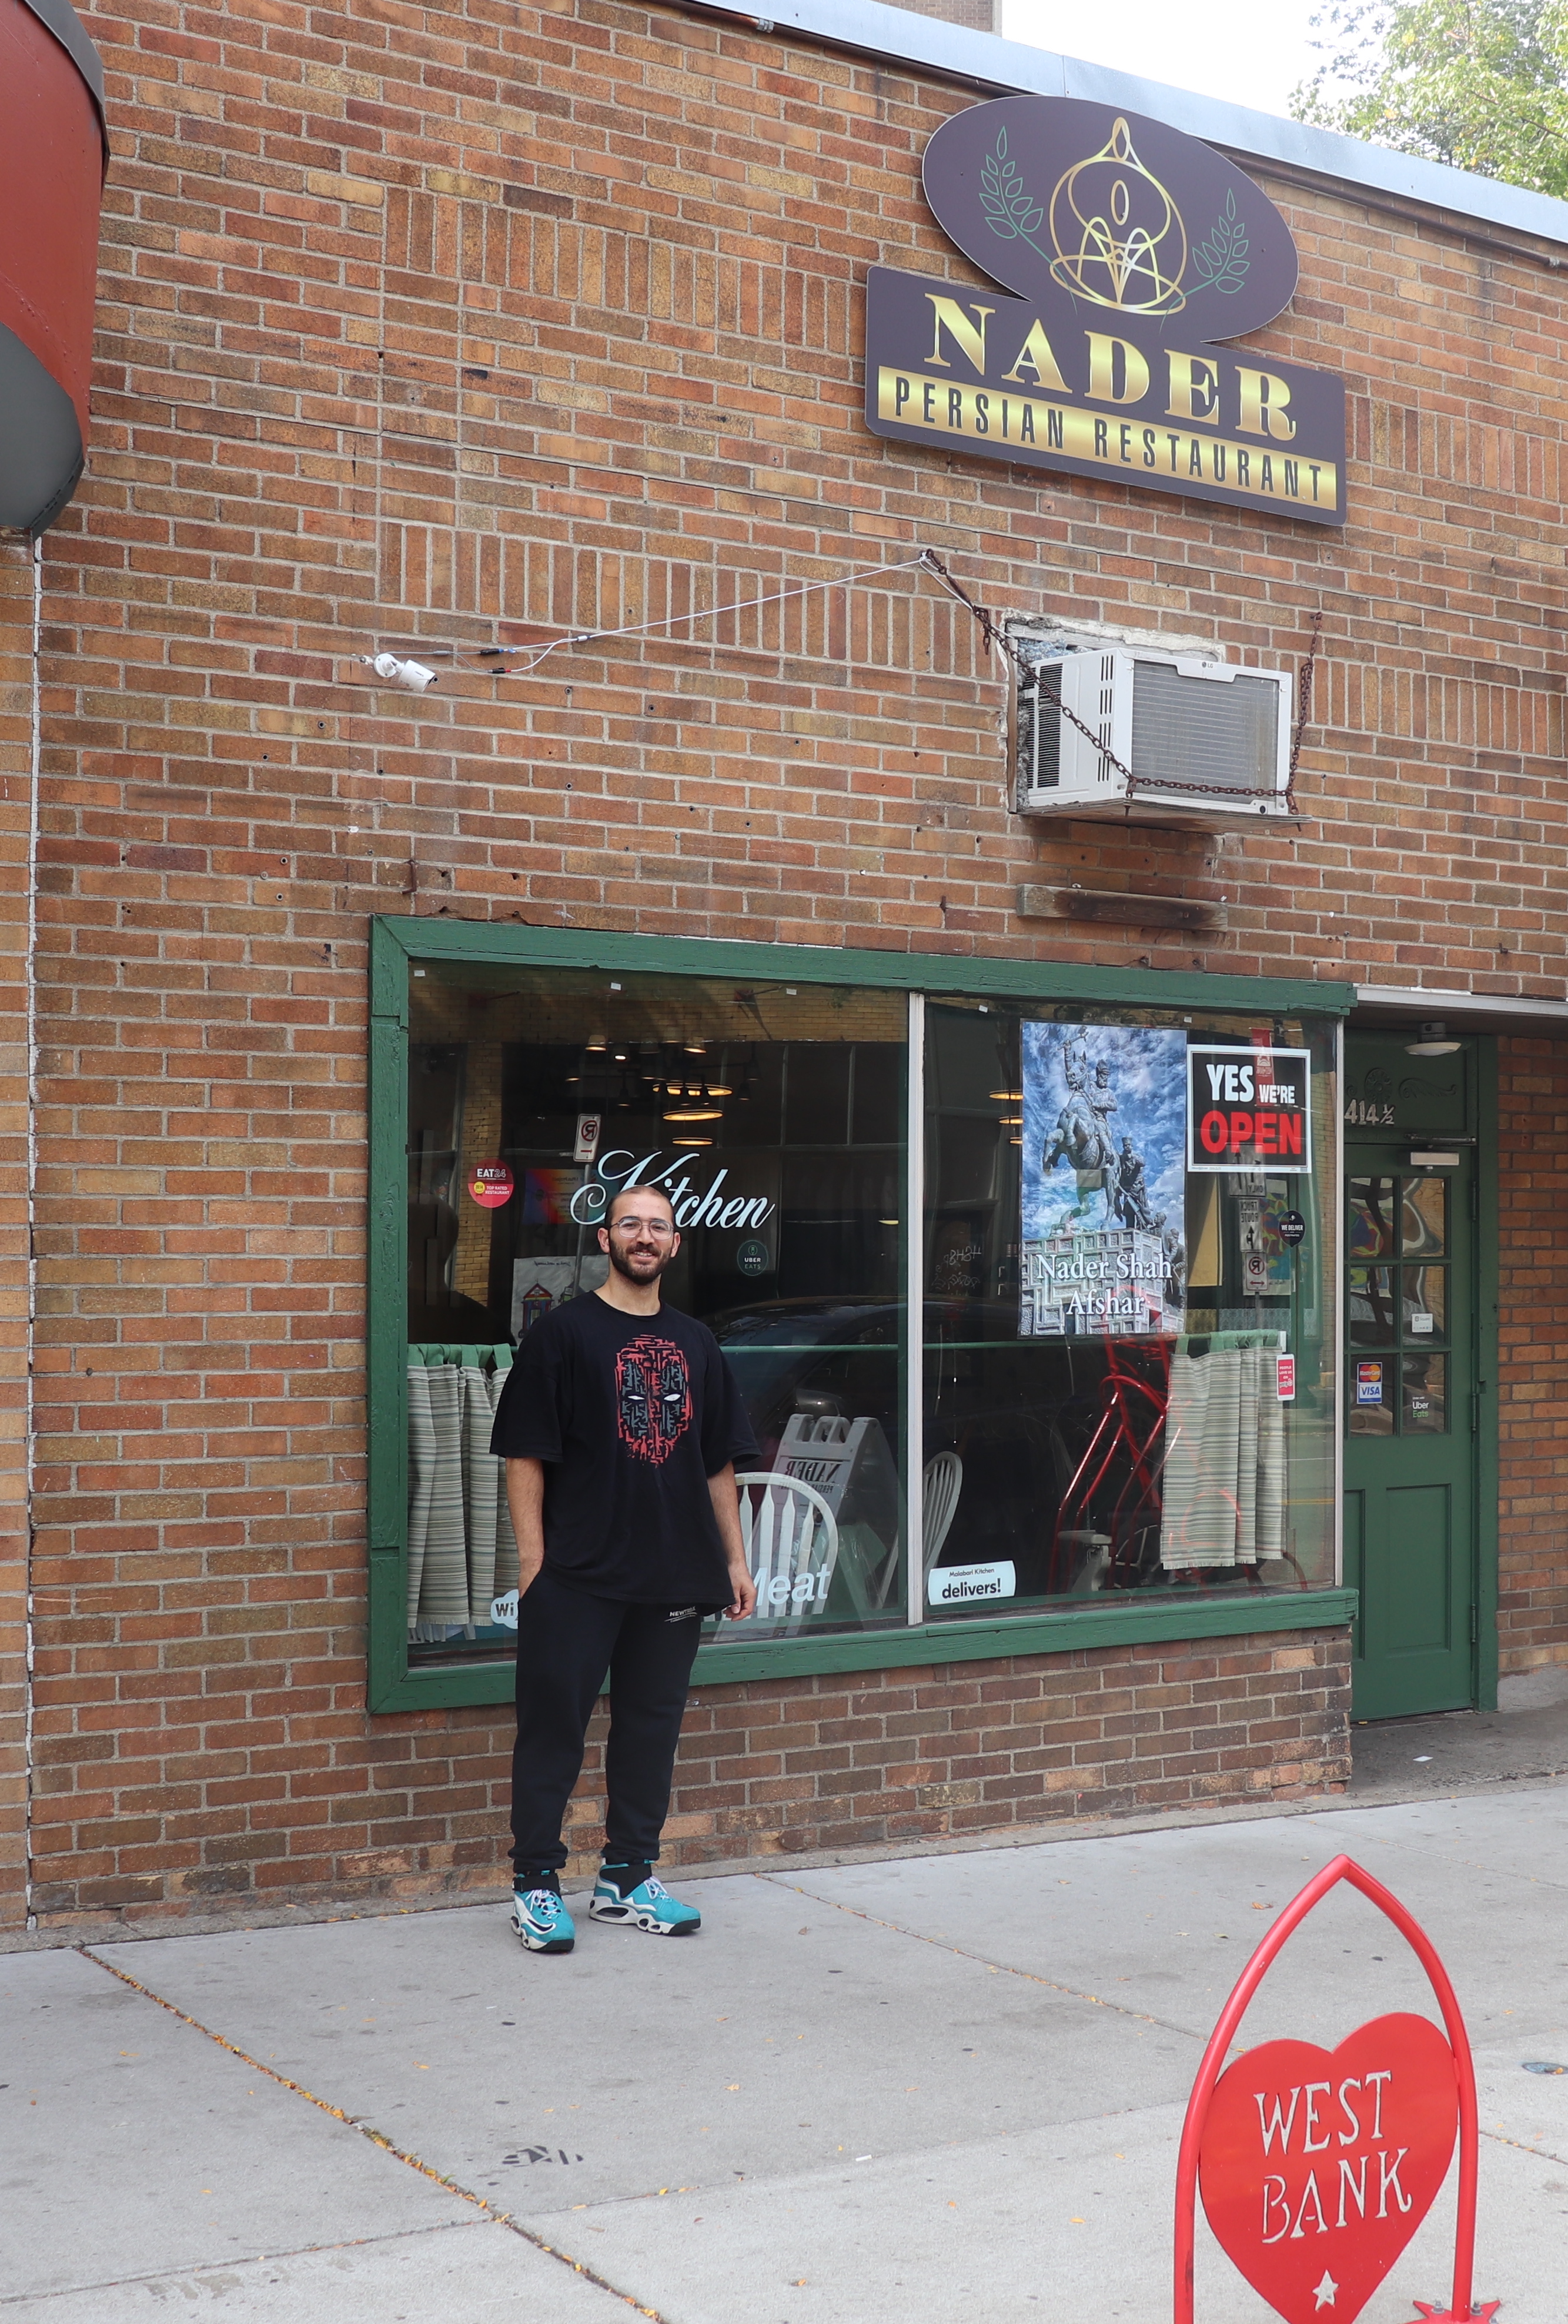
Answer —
964 1585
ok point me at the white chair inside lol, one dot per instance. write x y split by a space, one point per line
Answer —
939 1491
791 1542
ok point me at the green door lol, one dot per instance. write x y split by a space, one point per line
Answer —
1410 1418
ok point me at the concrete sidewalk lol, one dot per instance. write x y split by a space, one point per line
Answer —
950 2084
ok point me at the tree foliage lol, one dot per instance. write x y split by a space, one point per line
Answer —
1482 84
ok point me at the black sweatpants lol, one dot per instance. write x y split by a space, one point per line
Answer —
567 1641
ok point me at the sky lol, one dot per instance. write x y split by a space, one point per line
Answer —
1231 49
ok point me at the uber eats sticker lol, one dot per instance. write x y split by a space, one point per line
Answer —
1247 1109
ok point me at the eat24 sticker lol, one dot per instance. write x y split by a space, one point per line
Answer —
491 1184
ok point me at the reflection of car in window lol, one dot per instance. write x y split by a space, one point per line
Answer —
1044 1485
796 1355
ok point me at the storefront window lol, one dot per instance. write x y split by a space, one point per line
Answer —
1117 1346
774 1117
1126 1244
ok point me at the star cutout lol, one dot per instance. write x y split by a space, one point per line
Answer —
1327 2291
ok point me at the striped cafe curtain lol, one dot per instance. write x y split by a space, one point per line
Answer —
458 1524
1224 1485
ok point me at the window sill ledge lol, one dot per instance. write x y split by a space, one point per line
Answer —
726 1663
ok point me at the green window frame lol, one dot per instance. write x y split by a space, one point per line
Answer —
395 944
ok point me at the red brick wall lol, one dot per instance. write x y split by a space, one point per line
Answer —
1533 1345
974 1747
785 1766
427 321
978 16
17 729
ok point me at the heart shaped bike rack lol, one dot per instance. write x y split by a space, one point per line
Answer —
1266 2139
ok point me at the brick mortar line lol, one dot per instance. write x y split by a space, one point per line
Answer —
375 2137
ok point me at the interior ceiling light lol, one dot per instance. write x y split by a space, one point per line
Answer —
1433 1041
697 1113
696 1048
1007 1097
596 1048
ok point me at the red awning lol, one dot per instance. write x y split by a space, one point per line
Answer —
53 152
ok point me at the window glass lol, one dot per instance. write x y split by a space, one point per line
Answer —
1117 1350
1371 1218
1370 1293
1425 1396
774 1117
1424 1217
1106 1302
1426 1296
1372 1393
1397 1377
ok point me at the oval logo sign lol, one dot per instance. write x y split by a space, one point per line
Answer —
1064 200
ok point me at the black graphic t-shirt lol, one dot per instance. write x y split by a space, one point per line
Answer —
632 1415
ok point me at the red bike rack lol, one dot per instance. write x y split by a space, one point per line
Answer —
1395 2030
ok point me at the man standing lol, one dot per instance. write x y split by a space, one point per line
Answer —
621 1425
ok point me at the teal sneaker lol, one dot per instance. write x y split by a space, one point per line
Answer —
649 1905
543 1921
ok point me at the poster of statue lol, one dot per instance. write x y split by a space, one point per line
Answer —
1105 1124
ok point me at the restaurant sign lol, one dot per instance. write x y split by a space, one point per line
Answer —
1132 252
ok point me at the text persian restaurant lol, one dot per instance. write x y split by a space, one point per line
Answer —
1238 426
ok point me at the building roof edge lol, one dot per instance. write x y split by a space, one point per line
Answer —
1005 67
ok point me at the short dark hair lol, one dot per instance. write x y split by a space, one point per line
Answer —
622 1193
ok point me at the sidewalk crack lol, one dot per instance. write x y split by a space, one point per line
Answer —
251 2259
996 1968
377 2138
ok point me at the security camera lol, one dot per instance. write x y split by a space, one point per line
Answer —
412 676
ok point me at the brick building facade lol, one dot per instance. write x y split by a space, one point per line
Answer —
498 324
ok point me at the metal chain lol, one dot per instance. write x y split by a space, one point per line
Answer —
1303 711
993 635
996 637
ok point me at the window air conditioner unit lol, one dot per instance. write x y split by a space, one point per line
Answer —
1204 741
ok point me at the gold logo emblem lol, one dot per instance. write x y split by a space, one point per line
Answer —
1118 238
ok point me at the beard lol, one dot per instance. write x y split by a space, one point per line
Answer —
642 1266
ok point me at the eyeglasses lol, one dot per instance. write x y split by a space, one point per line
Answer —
659 1229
